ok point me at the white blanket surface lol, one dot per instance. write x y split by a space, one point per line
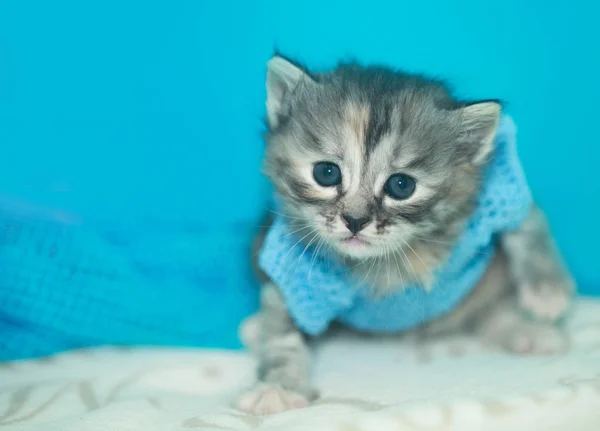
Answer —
367 384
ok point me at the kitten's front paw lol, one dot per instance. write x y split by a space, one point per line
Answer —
546 300
530 338
267 399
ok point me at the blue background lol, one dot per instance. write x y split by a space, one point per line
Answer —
163 101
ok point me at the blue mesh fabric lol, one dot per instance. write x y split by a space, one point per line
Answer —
318 290
65 286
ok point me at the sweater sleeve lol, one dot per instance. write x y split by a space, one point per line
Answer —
312 284
505 200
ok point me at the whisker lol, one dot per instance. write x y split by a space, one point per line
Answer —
378 269
398 266
449 243
285 215
302 254
387 266
312 262
297 230
294 246
429 272
406 260
435 241
369 271
414 306
416 254
361 262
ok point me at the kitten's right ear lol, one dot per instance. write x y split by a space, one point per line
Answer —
283 78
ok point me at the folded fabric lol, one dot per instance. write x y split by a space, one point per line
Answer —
65 285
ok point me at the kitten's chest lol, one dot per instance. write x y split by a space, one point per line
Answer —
396 271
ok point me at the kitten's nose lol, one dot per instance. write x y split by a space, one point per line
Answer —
354 224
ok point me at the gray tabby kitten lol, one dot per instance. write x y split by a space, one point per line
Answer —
379 120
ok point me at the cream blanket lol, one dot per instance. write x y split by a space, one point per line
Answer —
368 384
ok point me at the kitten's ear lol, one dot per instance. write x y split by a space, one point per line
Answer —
479 123
282 79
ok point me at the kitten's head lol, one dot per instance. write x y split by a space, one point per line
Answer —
369 160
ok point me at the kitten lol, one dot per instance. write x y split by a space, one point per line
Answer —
374 166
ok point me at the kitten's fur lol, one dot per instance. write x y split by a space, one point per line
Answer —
374 122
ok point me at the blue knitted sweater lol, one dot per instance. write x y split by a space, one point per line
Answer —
318 289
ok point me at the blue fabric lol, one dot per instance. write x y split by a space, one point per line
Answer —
65 285
318 289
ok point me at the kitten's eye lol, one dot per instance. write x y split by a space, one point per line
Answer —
327 174
400 186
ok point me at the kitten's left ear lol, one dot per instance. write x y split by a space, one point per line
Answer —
479 123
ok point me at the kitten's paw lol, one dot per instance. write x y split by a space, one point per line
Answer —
531 338
267 399
548 300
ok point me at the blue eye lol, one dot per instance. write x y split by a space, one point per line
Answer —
327 174
400 186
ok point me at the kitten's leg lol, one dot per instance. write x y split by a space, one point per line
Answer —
492 312
505 325
544 287
527 320
283 361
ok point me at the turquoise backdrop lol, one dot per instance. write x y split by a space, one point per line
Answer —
112 109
